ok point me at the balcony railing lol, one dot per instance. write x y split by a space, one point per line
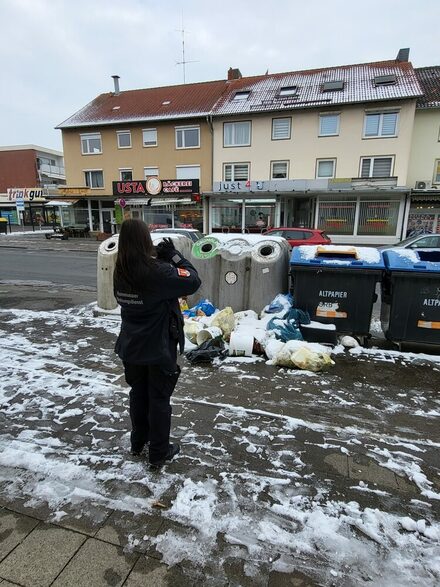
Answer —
52 170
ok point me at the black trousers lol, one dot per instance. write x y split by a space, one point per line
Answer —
150 410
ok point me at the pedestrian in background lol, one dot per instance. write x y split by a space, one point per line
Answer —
148 281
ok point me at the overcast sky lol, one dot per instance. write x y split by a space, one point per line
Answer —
57 55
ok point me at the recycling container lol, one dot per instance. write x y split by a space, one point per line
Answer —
269 273
410 310
107 255
205 258
235 264
337 284
181 243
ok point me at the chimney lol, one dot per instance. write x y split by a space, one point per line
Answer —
403 55
234 74
116 82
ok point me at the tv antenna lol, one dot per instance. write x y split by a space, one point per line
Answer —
184 61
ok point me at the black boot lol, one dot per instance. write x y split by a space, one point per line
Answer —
173 450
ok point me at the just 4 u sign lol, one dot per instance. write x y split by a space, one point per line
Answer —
153 186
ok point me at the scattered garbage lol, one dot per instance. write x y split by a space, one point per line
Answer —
275 333
225 320
207 351
349 342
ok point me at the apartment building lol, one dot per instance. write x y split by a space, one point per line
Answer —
327 148
35 171
424 165
150 150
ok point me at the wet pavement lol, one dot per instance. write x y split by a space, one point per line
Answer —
285 477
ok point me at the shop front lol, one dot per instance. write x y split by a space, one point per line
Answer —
424 214
160 203
345 212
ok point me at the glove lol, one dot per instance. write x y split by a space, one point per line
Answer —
166 251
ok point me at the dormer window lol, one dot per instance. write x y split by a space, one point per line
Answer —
333 86
385 80
288 91
241 96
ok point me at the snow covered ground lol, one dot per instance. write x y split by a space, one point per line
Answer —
336 475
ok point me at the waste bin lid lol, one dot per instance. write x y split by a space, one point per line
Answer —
420 260
337 256
3 219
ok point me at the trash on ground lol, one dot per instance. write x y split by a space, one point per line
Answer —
349 342
207 351
302 355
225 320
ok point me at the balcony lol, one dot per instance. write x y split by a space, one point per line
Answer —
52 171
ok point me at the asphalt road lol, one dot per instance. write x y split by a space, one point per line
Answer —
74 268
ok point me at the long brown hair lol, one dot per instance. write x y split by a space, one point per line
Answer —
136 252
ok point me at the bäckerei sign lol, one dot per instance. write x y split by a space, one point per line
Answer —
154 186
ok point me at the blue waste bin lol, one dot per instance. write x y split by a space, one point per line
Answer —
410 309
337 284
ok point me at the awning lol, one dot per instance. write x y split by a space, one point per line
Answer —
65 202
425 197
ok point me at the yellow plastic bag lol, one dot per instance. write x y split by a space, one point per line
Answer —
225 320
309 360
191 329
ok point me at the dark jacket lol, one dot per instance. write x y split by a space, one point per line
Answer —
151 317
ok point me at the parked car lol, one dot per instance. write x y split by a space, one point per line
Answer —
300 236
191 233
422 241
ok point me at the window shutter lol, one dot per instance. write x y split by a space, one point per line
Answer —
389 122
328 125
228 172
279 169
281 128
241 172
365 170
382 167
372 125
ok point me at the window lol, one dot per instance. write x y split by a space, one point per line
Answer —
325 168
125 174
236 171
281 128
91 144
241 96
378 217
437 171
288 91
333 86
376 166
427 242
94 178
380 124
337 216
385 80
237 134
124 139
328 125
149 137
151 172
279 170
188 172
187 137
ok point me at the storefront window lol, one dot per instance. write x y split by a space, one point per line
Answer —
423 222
259 215
188 216
378 217
337 216
227 216
157 217
75 216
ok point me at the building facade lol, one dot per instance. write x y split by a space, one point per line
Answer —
424 166
131 136
33 171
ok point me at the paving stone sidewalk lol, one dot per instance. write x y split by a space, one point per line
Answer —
285 478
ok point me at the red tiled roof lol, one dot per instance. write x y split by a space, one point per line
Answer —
429 78
216 97
358 87
170 102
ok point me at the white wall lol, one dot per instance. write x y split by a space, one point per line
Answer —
425 147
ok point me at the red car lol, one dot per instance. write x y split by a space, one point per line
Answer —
300 236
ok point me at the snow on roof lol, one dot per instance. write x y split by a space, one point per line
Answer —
359 84
272 92
429 79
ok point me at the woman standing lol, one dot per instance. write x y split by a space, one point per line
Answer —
148 281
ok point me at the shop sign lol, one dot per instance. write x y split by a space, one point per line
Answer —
19 203
284 185
154 186
26 194
80 191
